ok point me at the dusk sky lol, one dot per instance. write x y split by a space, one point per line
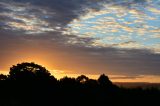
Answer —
120 38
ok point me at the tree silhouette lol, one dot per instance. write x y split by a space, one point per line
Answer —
3 77
68 81
82 79
103 80
28 71
18 90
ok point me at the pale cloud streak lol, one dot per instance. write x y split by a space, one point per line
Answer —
113 21
19 17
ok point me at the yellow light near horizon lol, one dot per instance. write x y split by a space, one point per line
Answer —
143 78
59 71
4 72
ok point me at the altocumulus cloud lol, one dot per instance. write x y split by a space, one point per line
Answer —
50 25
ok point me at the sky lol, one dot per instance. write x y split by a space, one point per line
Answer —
120 38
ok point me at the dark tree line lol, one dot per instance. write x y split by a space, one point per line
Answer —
29 84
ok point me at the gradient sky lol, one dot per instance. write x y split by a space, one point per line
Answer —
120 38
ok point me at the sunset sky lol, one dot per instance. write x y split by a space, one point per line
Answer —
120 38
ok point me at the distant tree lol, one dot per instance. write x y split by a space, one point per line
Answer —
3 77
28 71
67 81
103 80
82 79
91 83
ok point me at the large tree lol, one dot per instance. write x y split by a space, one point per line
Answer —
28 71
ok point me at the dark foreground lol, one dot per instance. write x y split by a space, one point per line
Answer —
32 85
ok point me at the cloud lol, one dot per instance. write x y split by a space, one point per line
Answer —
79 35
42 12
154 10
27 18
126 77
76 58
129 18
128 44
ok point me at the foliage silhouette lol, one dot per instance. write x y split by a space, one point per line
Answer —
30 84
103 80
29 71
3 77
82 79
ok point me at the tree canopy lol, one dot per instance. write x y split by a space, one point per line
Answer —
28 71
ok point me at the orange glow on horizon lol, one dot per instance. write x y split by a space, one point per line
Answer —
60 72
